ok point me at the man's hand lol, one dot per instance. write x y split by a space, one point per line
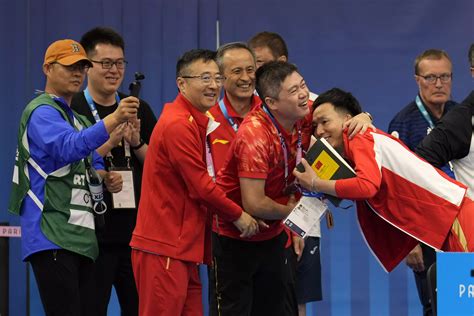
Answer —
247 225
113 181
307 177
132 132
117 135
415 259
358 124
298 246
127 109
261 224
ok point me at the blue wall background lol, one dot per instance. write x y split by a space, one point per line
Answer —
364 46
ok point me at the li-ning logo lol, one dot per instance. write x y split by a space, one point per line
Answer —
75 48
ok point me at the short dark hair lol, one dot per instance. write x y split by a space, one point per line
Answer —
229 46
273 41
191 56
101 35
471 55
342 101
431 53
270 76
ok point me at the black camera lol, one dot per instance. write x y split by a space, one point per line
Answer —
136 85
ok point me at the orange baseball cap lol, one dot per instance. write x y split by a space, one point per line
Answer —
65 52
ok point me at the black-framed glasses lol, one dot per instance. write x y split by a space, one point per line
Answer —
207 79
81 67
445 78
107 64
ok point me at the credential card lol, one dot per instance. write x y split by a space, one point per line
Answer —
126 197
305 215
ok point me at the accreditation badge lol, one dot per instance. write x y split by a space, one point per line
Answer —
305 216
124 199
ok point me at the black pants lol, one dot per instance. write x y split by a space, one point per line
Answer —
291 301
113 267
421 279
63 279
248 277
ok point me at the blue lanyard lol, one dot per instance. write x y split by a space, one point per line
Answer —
309 193
231 121
423 111
91 103
427 117
93 109
284 147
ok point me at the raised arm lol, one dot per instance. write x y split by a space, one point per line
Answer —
450 139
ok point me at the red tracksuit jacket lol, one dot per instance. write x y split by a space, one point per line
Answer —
400 197
172 216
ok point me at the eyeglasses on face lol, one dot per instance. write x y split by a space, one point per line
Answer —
81 67
207 79
107 63
445 78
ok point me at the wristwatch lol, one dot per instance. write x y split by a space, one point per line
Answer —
139 145
369 115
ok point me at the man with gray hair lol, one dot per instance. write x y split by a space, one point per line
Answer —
433 75
452 139
237 63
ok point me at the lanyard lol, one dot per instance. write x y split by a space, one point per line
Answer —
209 161
423 111
91 103
284 147
427 117
211 126
312 194
94 112
235 127
234 124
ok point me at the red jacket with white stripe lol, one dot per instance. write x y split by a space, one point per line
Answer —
173 219
400 197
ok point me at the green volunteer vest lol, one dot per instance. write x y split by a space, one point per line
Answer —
67 216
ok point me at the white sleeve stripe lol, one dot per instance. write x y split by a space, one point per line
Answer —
35 199
15 179
393 156
37 168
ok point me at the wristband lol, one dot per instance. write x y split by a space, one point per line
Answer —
140 145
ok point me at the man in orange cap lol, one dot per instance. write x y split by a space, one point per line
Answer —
51 191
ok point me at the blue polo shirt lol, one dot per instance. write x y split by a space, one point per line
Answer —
412 127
